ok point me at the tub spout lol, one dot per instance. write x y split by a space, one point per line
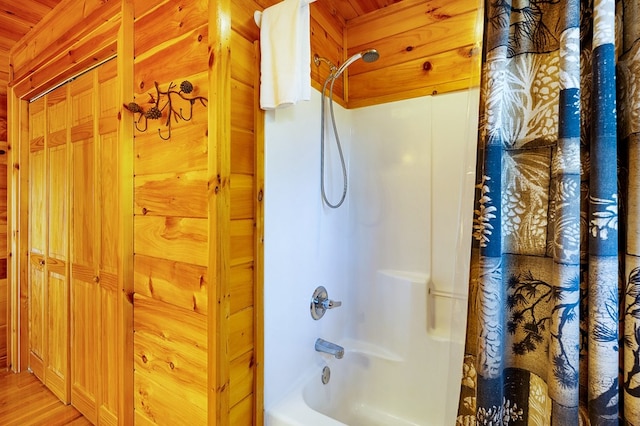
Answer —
329 348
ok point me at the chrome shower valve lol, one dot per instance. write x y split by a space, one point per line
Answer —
320 302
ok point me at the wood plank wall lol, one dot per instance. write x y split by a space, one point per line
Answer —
4 72
426 47
3 225
170 219
327 41
243 404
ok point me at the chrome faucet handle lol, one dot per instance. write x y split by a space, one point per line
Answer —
330 304
320 302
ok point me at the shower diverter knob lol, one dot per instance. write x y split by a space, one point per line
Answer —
320 302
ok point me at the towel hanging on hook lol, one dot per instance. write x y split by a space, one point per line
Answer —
257 15
285 50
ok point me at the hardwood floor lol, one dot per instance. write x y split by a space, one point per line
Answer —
24 400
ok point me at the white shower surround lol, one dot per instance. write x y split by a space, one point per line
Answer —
406 163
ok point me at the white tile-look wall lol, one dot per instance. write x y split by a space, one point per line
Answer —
406 163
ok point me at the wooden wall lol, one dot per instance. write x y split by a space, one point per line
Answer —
327 41
170 219
4 72
3 225
426 47
242 373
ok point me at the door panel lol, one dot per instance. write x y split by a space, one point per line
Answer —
58 337
108 412
85 288
83 203
57 313
36 316
85 307
37 202
37 238
75 258
107 185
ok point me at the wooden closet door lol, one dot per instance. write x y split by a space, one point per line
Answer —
48 243
57 284
109 230
85 288
37 238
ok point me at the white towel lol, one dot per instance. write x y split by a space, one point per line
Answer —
285 68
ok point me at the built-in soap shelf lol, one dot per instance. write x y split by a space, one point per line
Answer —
444 310
448 294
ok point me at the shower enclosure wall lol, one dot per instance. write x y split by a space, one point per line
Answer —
390 254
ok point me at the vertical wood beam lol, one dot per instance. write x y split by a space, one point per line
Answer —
126 170
219 172
18 220
258 264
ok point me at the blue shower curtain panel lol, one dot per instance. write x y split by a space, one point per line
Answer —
553 330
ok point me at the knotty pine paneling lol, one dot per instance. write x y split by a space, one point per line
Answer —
170 360
3 216
426 47
327 41
443 72
171 218
78 35
241 378
181 58
241 336
244 403
178 283
172 194
241 288
168 23
3 323
3 113
174 238
4 73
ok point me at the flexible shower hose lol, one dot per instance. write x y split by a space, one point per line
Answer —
339 145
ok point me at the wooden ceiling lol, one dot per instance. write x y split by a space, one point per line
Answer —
17 18
349 9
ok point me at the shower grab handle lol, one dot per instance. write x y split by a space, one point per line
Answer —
320 302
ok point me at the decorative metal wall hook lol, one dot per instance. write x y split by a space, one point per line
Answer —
171 95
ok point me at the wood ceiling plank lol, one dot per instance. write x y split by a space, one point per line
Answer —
30 11
402 17
343 8
9 30
14 23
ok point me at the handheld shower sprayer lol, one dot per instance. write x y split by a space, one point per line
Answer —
368 55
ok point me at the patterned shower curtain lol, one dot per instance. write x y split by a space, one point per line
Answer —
553 333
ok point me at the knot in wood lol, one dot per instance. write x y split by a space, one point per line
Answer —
427 66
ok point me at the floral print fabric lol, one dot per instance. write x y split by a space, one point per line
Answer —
553 333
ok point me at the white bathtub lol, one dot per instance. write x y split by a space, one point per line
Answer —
404 370
369 388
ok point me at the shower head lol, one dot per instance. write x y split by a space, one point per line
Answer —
369 55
